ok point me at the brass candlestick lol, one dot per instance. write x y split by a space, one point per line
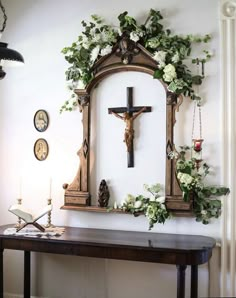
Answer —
49 224
18 224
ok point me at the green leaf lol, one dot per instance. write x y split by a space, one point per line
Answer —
158 74
121 16
216 203
197 80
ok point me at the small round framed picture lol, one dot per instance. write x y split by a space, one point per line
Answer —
41 149
41 120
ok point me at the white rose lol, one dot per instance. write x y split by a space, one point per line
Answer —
134 36
94 54
137 204
107 50
169 73
160 58
161 200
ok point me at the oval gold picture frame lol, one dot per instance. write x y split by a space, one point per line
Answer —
41 120
41 149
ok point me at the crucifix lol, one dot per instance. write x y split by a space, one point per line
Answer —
130 113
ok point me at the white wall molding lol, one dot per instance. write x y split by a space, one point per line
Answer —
228 95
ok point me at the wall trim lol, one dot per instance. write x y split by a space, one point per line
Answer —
228 131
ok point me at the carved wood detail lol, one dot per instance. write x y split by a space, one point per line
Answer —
139 60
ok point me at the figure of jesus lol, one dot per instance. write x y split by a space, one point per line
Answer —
129 130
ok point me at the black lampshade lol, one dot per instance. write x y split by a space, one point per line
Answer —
9 57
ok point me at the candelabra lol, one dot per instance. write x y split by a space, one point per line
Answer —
18 224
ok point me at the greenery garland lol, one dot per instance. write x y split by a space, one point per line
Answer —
169 51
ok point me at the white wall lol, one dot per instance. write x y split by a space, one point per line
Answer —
108 134
39 30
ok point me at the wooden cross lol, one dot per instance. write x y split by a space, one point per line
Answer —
130 113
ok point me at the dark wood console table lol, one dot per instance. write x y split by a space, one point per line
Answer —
179 250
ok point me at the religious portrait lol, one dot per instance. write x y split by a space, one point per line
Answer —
41 120
41 149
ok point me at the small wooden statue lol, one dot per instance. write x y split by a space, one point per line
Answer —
103 194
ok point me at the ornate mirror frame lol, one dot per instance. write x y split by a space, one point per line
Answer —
126 56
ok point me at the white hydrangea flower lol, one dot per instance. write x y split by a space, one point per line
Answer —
94 54
169 73
107 50
134 36
175 58
185 179
160 57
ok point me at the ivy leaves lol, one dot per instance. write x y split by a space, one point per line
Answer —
191 180
169 51
127 23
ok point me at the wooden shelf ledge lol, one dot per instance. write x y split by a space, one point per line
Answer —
92 209
98 209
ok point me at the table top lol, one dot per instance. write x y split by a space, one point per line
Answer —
113 244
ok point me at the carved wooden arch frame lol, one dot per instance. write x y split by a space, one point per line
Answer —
126 56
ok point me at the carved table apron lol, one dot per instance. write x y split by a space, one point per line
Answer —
175 249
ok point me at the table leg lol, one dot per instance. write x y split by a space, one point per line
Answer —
194 281
1 273
27 274
181 281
